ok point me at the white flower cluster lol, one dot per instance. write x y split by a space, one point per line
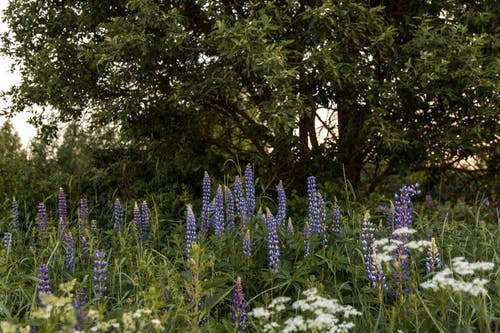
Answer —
317 314
460 266
388 246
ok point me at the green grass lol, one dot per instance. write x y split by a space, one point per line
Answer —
151 286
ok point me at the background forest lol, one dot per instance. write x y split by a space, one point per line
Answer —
365 92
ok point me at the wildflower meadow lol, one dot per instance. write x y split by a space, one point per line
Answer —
241 260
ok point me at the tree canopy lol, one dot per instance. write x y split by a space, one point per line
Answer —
396 85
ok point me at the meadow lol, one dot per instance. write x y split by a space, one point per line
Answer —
234 262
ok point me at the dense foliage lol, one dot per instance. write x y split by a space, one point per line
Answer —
396 86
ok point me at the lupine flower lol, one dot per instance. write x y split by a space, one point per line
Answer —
93 228
219 213
42 219
289 227
190 229
84 212
84 220
247 245
377 273
229 208
336 226
7 241
281 215
43 282
433 261
69 259
372 265
313 207
62 212
79 304
100 270
403 206
118 215
145 222
273 242
322 221
137 222
15 216
249 190
241 204
239 316
205 203
403 209
307 245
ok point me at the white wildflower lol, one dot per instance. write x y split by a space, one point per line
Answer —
301 304
463 267
155 321
381 242
383 257
278 303
404 231
419 245
310 292
260 312
294 324
270 327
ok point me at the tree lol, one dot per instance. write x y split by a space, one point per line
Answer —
407 85
12 165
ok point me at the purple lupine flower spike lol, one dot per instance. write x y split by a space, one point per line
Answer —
336 226
322 221
84 212
239 315
247 245
307 245
313 207
273 242
7 241
43 282
42 218
15 216
249 190
377 273
100 270
241 204
62 211
118 216
229 208
190 229
372 266
219 213
84 221
137 222
403 209
145 222
205 204
69 259
281 216
81 312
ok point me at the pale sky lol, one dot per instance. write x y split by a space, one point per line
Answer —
7 79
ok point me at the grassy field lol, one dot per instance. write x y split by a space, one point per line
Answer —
238 263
